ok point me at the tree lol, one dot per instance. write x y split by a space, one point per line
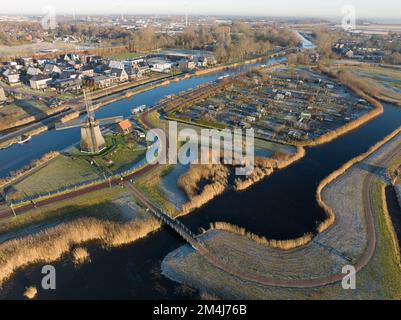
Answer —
395 58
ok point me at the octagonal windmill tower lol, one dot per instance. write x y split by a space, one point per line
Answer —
92 140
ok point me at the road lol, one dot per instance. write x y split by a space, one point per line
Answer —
51 120
9 213
191 238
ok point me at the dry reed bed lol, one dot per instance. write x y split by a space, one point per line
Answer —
80 256
189 182
262 168
216 177
51 244
323 226
273 244
30 292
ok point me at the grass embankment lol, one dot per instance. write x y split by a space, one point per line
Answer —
387 256
331 217
149 184
384 83
29 168
63 171
380 279
94 204
78 222
274 244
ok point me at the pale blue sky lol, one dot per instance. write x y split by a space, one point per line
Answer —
310 8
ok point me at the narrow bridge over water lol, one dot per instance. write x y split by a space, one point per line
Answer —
174 224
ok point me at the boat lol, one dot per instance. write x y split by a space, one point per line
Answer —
139 109
223 77
24 139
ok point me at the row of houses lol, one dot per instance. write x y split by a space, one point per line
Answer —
69 72
359 51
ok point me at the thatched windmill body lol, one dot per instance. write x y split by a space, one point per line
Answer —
92 140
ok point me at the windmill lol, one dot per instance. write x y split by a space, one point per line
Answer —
92 140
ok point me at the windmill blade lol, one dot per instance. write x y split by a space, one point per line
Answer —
71 124
110 120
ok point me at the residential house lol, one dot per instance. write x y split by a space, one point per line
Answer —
51 69
102 81
87 71
160 65
102 69
124 127
141 66
11 76
32 71
68 74
186 65
349 54
120 74
115 64
68 85
40 81
201 61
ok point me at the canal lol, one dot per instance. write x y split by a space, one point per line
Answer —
282 206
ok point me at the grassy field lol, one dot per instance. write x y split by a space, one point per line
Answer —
149 184
386 80
123 151
380 279
131 55
60 172
95 204
10 113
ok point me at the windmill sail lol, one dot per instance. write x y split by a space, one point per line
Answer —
92 140
70 124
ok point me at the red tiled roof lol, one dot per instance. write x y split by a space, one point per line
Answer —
125 124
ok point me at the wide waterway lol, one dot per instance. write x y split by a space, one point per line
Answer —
282 206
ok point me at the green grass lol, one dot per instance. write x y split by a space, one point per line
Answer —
376 77
96 204
131 55
122 152
386 258
149 185
60 172
125 153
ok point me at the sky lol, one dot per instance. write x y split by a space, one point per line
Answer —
298 8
